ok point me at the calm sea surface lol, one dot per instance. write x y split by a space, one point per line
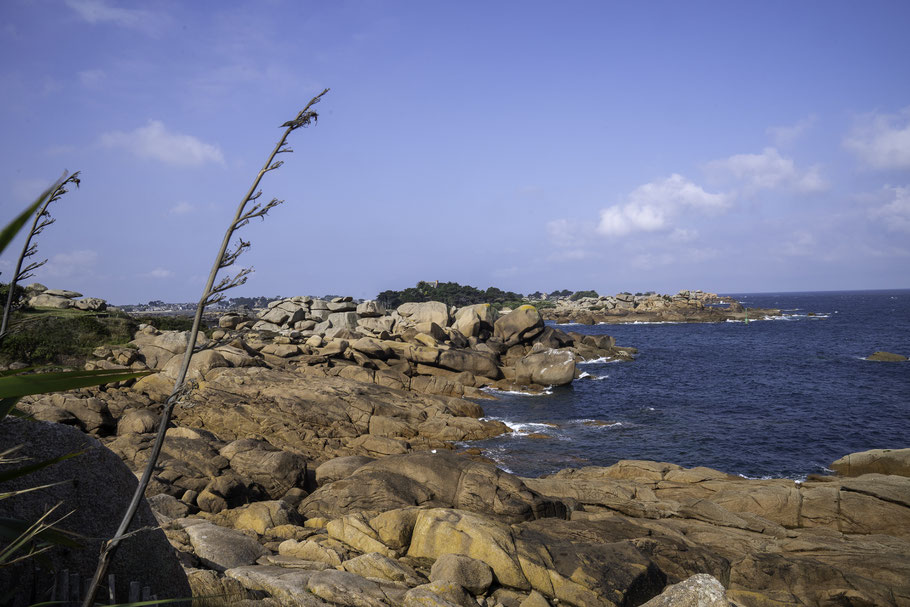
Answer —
782 397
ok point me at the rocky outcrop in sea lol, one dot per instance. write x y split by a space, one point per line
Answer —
685 306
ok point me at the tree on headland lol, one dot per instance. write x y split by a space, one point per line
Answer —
450 293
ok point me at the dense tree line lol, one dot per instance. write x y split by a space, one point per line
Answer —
450 293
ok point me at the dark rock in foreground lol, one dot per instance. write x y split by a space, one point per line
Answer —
94 494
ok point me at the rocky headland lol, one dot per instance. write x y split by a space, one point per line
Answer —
321 460
39 296
685 306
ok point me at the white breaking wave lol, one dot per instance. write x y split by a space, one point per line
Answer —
546 392
521 428
601 360
655 322
586 375
598 423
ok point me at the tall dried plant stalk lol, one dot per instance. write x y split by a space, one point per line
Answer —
42 220
212 293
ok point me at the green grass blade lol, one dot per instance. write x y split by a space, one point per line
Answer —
8 494
15 371
10 231
11 528
42 383
6 405
8 475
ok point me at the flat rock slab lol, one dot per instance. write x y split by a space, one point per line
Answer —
222 548
287 585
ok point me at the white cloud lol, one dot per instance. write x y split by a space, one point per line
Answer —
562 232
786 135
158 273
896 212
101 11
882 141
181 208
653 206
156 142
680 257
768 170
683 235
569 255
800 244
63 265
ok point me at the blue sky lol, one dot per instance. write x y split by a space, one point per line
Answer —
732 147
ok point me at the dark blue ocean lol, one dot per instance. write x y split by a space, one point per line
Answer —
782 397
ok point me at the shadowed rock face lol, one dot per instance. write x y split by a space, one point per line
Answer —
98 489
434 479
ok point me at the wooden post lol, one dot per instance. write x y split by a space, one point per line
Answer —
62 587
134 592
75 591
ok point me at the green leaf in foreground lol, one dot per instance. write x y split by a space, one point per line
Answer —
10 231
7 475
42 383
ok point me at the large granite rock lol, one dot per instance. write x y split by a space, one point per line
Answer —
324 417
880 461
221 548
547 368
520 325
436 479
771 541
425 312
96 488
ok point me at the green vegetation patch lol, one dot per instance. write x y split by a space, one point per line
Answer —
450 293
59 336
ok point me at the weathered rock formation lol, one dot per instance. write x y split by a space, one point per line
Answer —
624 535
39 296
685 306
421 347
888 357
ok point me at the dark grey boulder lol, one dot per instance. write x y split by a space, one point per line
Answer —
96 488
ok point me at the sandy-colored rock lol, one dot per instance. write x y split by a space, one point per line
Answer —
376 565
311 550
439 593
880 461
522 324
548 368
317 417
425 312
440 531
889 357
339 468
472 575
432 479
287 585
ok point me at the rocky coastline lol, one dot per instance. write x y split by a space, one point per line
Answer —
685 306
324 459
